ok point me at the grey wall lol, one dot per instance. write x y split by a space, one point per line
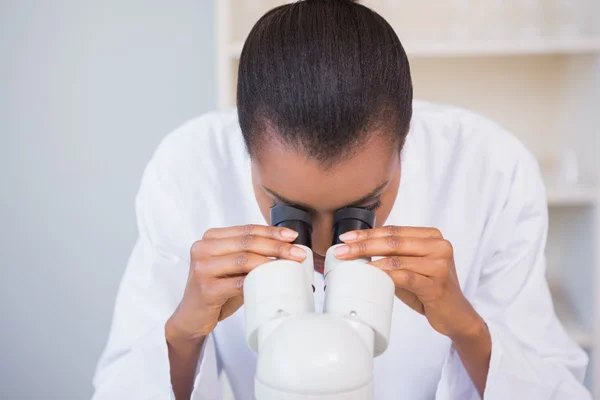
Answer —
87 90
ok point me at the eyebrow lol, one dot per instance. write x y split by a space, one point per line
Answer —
369 196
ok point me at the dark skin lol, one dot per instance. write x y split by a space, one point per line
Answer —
419 260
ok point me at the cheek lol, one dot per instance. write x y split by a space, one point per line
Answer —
382 214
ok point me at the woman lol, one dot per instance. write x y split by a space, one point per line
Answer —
326 120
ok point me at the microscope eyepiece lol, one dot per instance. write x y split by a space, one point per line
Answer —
351 219
295 219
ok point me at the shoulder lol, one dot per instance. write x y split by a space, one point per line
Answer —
462 138
196 171
201 149
478 182
199 162
466 159
211 137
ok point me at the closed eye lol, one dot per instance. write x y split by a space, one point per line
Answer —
275 204
372 207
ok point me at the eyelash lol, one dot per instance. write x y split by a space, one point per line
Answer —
370 207
275 204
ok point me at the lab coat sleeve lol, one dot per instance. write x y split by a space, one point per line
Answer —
532 356
135 363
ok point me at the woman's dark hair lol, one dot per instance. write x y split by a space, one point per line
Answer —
322 76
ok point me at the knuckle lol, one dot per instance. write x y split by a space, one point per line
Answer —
239 283
241 259
393 263
274 232
445 247
392 230
246 240
247 229
360 247
435 233
441 268
199 274
393 242
441 264
197 248
209 233
282 249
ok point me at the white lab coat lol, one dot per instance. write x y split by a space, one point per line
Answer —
460 173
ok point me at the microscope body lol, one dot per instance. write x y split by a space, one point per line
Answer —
307 355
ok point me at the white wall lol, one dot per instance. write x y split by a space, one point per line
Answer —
87 90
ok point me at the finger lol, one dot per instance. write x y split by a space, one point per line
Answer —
273 232
411 300
227 288
403 231
231 305
234 264
252 244
419 265
387 246
411 281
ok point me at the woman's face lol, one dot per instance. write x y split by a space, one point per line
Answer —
370 179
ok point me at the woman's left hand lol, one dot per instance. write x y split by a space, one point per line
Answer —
421 264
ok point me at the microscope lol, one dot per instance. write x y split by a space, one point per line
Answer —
305 355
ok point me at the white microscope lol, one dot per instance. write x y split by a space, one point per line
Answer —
303 355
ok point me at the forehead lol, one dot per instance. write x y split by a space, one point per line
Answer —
295 176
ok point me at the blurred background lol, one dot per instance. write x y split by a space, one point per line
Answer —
88 89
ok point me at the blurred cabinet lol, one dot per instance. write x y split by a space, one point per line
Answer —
531 65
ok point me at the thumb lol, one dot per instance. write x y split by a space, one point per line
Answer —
231 306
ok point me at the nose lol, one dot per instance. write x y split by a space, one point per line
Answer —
322 233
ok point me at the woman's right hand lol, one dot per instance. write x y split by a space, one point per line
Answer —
219 264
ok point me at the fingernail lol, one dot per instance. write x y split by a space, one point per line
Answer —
341 251
298 252
289 234
348 236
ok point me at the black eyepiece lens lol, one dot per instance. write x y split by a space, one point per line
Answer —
351 219
294 219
